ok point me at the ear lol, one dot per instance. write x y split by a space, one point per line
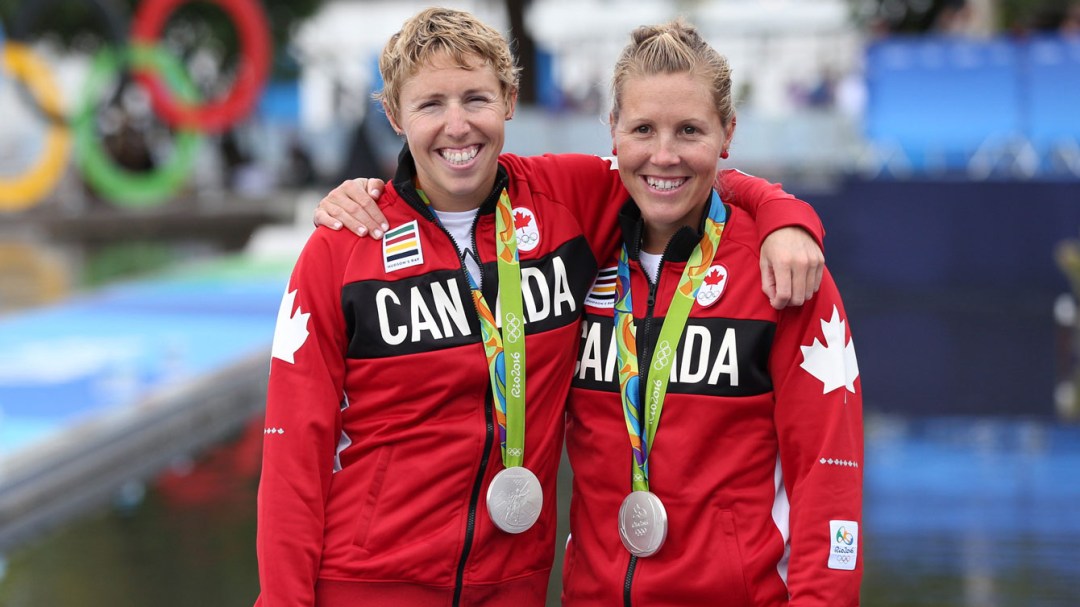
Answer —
393 123
729 134
511 104
611 124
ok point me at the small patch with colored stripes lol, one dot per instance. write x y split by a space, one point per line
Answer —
402 248
602 293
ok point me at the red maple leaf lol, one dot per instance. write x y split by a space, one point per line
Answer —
713 277
521 220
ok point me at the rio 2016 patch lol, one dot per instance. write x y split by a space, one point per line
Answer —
844 551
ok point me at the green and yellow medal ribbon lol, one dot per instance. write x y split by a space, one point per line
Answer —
505 350
642 422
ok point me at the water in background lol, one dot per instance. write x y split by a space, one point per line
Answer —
959 512
971 512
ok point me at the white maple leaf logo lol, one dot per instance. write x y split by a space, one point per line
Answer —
291 330
834 361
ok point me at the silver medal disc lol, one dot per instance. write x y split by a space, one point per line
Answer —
642 523
514 499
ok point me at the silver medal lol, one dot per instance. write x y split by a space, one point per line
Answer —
642 523
514 499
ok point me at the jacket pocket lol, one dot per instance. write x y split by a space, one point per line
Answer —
569 560
367 510
734 573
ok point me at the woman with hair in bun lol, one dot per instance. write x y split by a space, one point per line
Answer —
716 442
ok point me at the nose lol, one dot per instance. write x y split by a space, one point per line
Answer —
457 122
665 153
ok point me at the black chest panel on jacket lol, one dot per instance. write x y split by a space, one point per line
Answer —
715 357
435 311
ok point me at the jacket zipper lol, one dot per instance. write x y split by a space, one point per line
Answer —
489 435
644 362
474 500
629 580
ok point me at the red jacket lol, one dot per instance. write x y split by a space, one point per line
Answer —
380 441
758 452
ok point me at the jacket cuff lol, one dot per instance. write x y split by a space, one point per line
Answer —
784 212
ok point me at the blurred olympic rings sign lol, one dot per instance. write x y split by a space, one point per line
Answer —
173 97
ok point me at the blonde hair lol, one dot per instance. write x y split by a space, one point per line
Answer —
443 30
672 48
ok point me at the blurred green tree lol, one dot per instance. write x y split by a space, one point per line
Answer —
919 16
1035 15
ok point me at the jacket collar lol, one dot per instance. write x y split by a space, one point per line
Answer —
678 248
405 183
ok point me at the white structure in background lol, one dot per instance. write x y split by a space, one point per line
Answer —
772 44
778 48
780 51
340 45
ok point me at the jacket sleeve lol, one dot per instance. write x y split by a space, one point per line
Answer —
301 429
818 418
771 207
590 187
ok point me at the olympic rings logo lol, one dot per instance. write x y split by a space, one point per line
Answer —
21 191
172 95
513 328
514 452
663 352
707 293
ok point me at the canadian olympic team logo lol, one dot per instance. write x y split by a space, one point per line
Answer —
526 230
712 286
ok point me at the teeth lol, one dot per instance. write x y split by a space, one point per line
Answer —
664 184
460 156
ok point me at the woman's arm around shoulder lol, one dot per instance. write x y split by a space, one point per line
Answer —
792 259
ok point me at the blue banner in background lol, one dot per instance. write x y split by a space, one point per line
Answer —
942 101
951 288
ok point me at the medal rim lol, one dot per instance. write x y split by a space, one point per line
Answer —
507 473
662 524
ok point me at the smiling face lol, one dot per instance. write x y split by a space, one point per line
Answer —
669 138
454 121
